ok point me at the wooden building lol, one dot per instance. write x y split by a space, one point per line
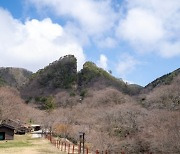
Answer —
6 132
19 127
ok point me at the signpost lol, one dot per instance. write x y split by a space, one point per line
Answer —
82 140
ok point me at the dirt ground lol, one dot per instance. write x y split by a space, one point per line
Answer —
24 144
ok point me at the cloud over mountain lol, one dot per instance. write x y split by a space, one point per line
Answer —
34 43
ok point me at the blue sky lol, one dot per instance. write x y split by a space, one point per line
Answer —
138 40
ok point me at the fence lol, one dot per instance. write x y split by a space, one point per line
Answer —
70 148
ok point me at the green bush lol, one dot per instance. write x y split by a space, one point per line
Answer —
2 82
49 103
83 93
72 94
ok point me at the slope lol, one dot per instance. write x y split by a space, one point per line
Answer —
163 93
15 77
163 80
61 79
92 76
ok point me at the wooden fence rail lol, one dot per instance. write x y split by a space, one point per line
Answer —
71 148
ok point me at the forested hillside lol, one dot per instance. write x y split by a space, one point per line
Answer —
15 77
114 115
164 80
61 78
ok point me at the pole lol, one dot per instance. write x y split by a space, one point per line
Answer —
83 142
80 143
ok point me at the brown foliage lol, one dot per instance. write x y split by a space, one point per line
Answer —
62 129
111 120
164 97
13 107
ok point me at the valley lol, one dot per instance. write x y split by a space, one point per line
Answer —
114 115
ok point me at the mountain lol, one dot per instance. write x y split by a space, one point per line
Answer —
61 74
163 93
163 80
92 76
113 114
15 77
61 78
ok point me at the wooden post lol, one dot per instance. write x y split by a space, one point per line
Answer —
79 149
68 148
83 143
86 150
65 147
73 149
61 146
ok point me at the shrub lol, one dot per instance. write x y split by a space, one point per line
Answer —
2 82
72 94
83 93
47 102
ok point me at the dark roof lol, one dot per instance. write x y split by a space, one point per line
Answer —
16 124
8 126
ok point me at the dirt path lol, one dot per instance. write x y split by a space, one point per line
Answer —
24 144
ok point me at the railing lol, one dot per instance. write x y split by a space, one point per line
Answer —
70 148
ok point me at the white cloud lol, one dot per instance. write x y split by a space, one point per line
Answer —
152 25
34 44
170 49
141 26
108 42
102 62
147 25
94 17
126 64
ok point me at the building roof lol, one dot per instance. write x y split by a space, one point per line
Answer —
14 123
8 126
35 125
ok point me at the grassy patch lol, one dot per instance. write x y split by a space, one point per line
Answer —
23 144
19 141
12 144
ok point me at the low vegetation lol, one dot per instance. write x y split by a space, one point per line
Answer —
25 144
